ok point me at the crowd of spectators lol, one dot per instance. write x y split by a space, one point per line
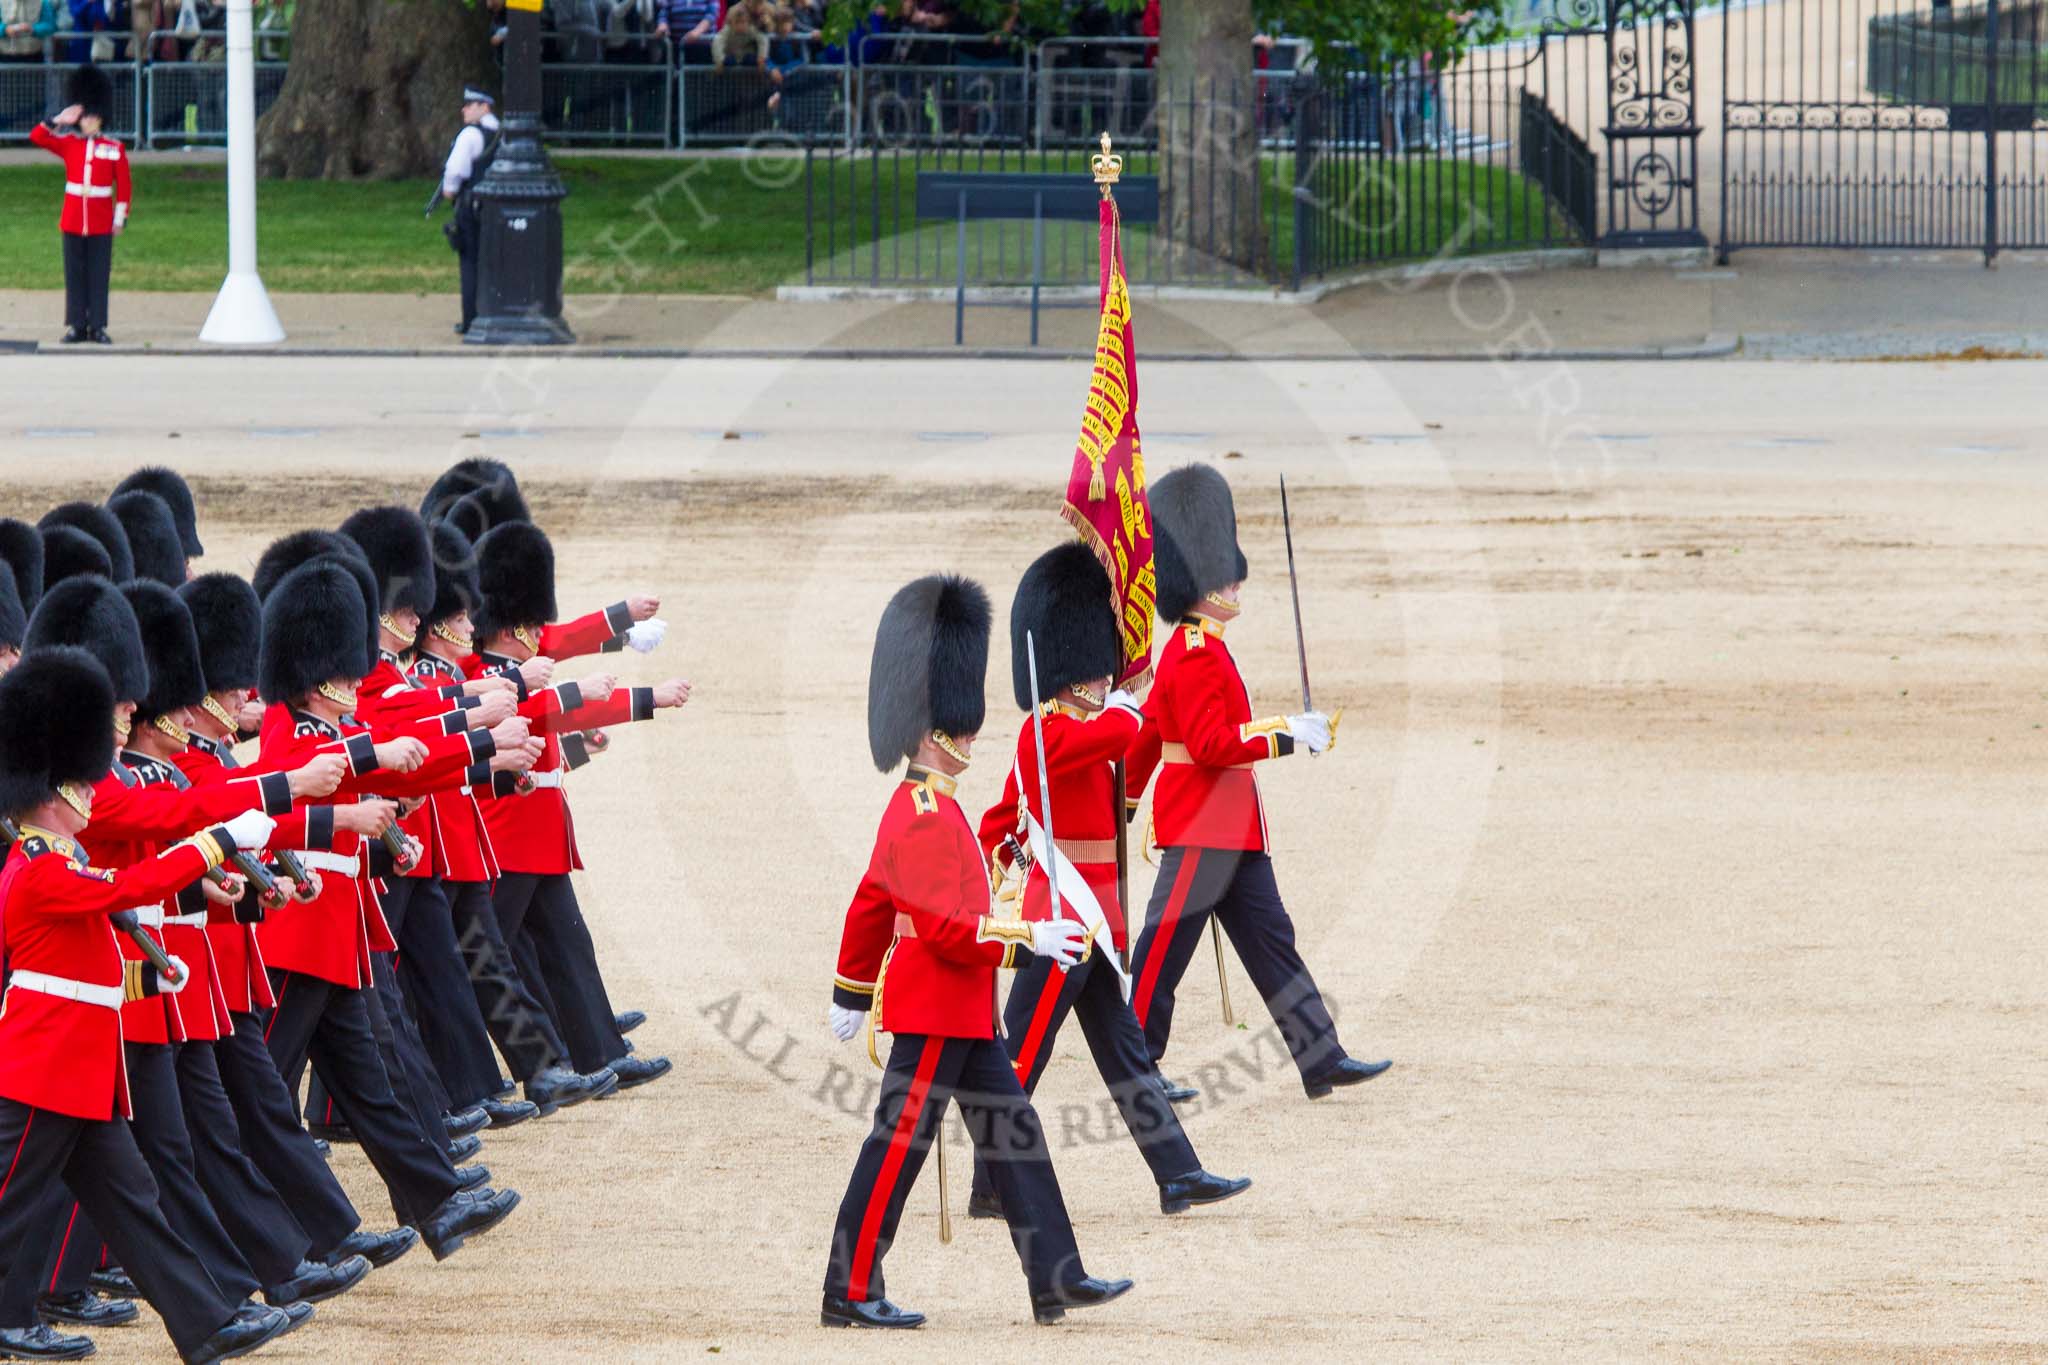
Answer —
130 30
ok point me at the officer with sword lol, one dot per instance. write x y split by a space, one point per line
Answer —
1201 737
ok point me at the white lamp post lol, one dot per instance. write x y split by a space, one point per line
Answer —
242 315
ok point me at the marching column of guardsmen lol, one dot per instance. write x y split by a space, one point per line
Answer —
379 892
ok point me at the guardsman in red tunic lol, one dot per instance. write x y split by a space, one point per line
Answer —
228 620
920 949
63 1087
1200 735
95 200
315 648
1063 602
443 725
429 977
136 818
533 835
467 863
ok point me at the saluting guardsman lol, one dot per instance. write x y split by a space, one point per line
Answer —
96 199
1064 603
920 950
64 1098
1200 734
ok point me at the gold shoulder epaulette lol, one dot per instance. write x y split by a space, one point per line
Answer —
924 799
1193 636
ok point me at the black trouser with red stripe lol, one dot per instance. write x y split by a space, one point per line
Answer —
514 1016
1040 1000
45 1152
330 1025
923 1073
276 1142
437 989
551 944
1238 888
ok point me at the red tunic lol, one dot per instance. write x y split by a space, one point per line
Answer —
237 958
56 1053
460 843
131 823
201 1009
1081 751
919 933
1200 734
95 180
390 699
534 833
333 936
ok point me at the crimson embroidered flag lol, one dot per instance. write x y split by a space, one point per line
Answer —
1106 500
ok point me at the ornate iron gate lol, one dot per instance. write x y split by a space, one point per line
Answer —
1900 123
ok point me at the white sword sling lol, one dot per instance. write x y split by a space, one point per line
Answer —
1074 890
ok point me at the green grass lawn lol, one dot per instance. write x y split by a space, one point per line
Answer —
691 225
640 224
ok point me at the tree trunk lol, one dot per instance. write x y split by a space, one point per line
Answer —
374 91
1209 137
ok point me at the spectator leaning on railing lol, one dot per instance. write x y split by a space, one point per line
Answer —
690 25
25 25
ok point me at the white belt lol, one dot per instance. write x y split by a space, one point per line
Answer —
330 862
89 191
85 993
195 920
547 779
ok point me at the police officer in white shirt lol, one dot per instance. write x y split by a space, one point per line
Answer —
468 159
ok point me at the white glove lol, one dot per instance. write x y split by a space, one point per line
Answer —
845 1022
1124 701
1059 939
643 636
173 987
1311 730
250 830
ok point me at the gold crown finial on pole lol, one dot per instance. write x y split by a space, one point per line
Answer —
1107 167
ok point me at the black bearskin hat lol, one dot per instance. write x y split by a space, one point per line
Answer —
56 726
1064 601
176 677
97 522
302 646
1194 538
21 545
169 485
930 666
228 619
13 617
394 541
91 613
455 585
515 573
302 547
70 553
470 517
152 536
89 88
487 484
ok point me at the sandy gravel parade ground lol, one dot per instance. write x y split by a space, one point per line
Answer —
1679 846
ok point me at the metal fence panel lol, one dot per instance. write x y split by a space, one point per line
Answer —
809 102
615 105
188 101
29 94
